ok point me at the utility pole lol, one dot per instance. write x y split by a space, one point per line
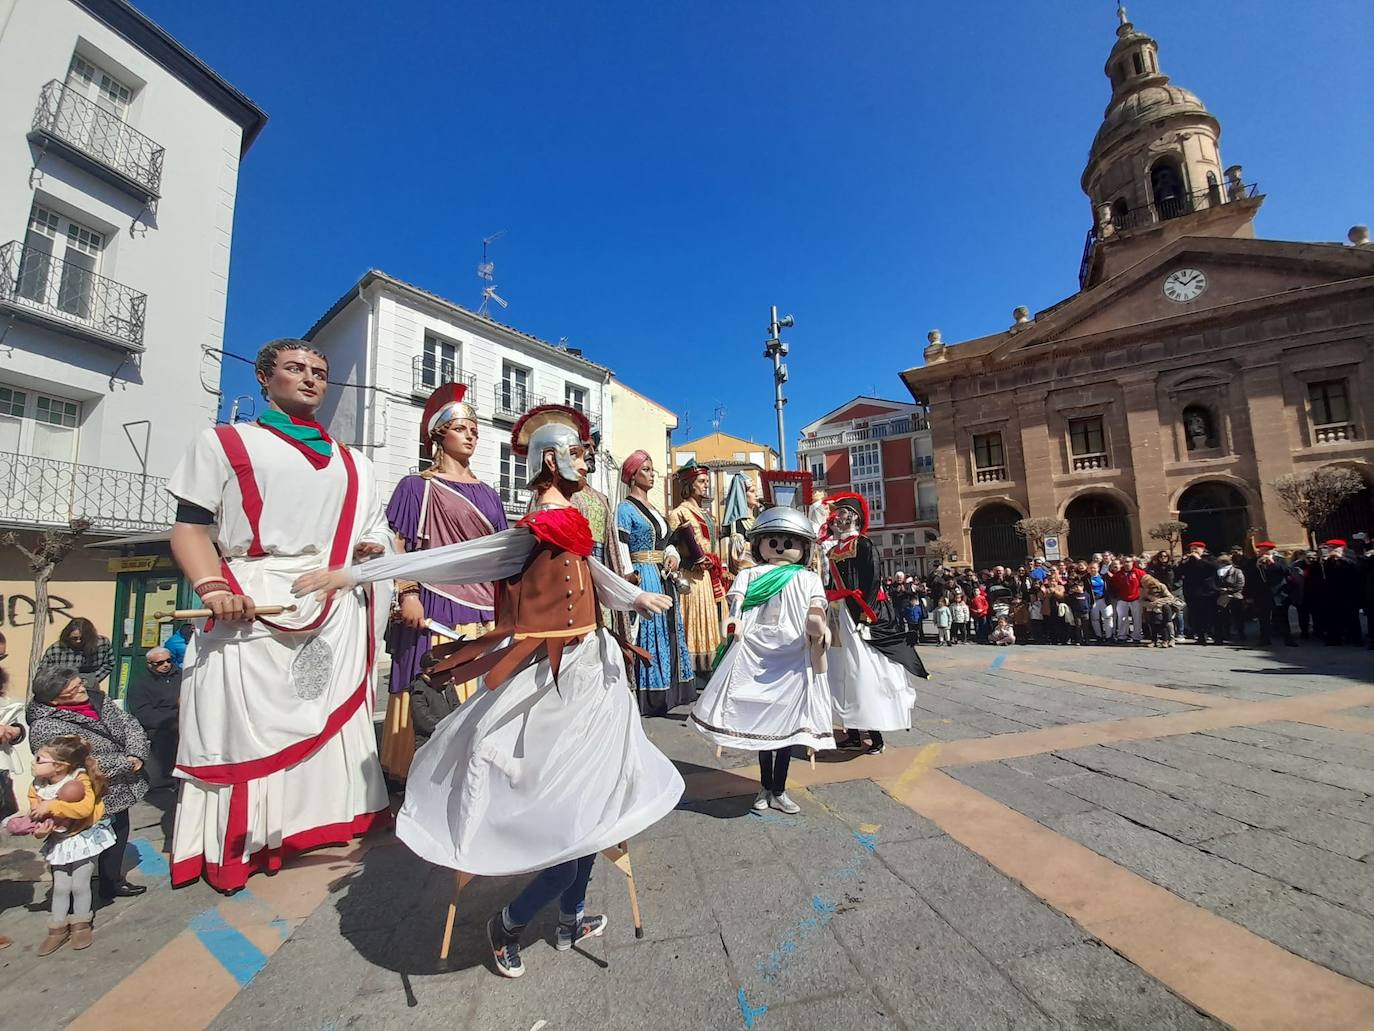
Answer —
775 350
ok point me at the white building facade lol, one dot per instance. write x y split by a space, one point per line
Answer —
121 153
390 344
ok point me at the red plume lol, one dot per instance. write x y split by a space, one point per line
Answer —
446 394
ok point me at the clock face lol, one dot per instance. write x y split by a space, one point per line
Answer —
1184 284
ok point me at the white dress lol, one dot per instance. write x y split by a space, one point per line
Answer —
277 751
764 694
869 690
531 774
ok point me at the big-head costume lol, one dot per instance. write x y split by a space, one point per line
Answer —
429 511
551 763
871 671
694 533
277 750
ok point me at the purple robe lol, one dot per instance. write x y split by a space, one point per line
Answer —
430 513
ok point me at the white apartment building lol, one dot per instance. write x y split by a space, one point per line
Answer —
390 344
120 152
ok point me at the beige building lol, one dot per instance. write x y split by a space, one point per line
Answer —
1195 365
642 424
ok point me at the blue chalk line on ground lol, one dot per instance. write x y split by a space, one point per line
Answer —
235 953
749 1013
150 860
997 662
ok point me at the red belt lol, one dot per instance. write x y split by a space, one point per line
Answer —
855 595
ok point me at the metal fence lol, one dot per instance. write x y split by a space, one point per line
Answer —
36 282
70 117
43 492
428 372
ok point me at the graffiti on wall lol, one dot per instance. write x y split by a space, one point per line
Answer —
18 610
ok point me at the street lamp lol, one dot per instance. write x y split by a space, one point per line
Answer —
775 350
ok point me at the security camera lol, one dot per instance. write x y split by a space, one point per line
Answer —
786 322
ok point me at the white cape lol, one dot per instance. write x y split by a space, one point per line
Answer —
870 691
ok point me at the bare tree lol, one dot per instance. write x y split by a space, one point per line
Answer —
1312 498
1170 531
942 549
50 549
1037 528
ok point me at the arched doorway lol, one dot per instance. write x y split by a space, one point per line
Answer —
1216 513
1097 523
993 537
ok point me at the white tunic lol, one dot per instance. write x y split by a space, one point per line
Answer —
870 691
764 694
277 750
531 774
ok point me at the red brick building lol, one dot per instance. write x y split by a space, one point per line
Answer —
882 450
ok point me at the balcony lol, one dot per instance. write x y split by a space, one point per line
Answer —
42 492
45 289
427 373
990 474
511 402
515 500
97 141
1129 219
857 434
1086 463
1333 433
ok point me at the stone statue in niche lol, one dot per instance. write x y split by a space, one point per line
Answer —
1197 429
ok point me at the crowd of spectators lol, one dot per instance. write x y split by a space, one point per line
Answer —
1258 595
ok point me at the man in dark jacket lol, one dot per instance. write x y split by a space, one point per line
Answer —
1341 591
431 699
155 701
1198 574
1271 594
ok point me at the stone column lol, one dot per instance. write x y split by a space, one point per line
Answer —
949 468
1146 452
1270 423
1037 468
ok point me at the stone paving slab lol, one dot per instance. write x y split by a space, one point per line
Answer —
1039 800
1335 878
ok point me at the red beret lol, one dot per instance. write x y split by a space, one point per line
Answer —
1335 542
1198 544
1267 544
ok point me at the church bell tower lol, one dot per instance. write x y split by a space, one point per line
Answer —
1154 170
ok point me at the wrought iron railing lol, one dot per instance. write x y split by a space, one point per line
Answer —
511 401
1161 210
35 281
515 500
45 492
857 434
428 372
69 117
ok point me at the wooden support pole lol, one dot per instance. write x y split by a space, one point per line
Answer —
461 881
620 856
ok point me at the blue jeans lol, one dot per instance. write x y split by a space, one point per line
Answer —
566 880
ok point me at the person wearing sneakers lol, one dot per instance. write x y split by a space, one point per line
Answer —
768 691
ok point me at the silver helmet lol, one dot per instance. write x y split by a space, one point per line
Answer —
783 520
555 428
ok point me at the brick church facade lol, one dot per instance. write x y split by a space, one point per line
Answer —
1195 365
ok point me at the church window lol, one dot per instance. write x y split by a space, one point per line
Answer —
988 461
1199 428
1121 213
1139 64
1330 408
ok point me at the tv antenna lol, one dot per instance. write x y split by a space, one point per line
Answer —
486 271
717 416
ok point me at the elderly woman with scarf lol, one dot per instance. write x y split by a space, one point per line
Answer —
61 703
642 531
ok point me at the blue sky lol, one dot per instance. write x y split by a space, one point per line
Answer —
665 172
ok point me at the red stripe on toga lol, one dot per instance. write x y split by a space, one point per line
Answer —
237 453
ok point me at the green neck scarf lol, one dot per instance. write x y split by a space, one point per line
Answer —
761 589
309 435
768 585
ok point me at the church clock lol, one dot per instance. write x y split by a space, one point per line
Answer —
1184 284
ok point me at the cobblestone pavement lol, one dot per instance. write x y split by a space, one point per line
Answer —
1067 838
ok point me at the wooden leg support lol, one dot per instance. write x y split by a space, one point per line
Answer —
620 856
461 881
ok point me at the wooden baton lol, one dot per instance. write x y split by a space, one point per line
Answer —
262 610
